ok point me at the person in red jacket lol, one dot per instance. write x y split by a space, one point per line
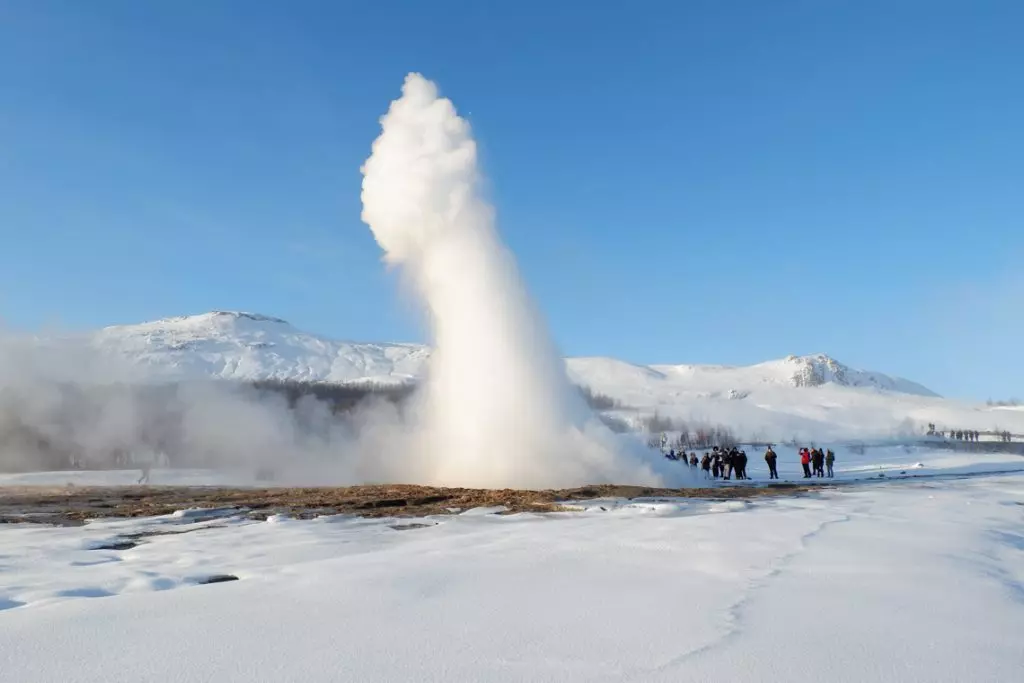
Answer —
805 460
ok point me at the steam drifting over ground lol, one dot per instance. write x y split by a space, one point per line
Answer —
497 408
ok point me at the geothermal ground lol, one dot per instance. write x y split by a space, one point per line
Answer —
74 496
908 567
75 504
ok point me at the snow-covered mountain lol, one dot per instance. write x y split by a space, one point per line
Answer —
794 396
234 345
245 346
793 371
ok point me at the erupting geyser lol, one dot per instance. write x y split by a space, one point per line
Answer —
497 408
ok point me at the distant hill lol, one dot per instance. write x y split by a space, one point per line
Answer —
795 396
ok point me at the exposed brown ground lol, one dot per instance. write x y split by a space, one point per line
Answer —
72 504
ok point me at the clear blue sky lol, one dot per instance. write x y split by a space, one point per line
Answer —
693 181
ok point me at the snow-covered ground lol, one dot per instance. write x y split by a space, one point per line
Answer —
872 463
899 581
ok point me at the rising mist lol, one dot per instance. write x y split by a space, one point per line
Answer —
496 408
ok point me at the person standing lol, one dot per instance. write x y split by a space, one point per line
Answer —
805 461
742 465
772 459
705 464
830 459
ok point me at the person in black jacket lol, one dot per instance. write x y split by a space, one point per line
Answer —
772 459
818 462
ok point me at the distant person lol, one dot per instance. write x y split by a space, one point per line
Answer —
830 459
743 465
705 464
818 462
146 467
772 459
693 461
805 461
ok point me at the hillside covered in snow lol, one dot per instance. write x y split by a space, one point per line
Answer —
234 345
247 346
806 396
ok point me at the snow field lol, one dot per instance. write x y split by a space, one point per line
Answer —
915 581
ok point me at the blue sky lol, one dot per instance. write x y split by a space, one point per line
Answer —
689 181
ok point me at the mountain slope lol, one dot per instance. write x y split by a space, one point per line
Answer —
795 396
245 346
236 345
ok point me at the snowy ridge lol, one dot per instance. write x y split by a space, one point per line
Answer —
797 396
237 345
793 371
248 346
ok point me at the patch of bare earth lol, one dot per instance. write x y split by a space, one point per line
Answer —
73 504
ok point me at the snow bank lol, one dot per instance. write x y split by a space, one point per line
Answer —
913 582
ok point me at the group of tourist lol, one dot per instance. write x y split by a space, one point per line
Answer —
815 460
972 435
731 463
964 434
719 463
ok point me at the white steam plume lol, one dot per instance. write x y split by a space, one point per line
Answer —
497 408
